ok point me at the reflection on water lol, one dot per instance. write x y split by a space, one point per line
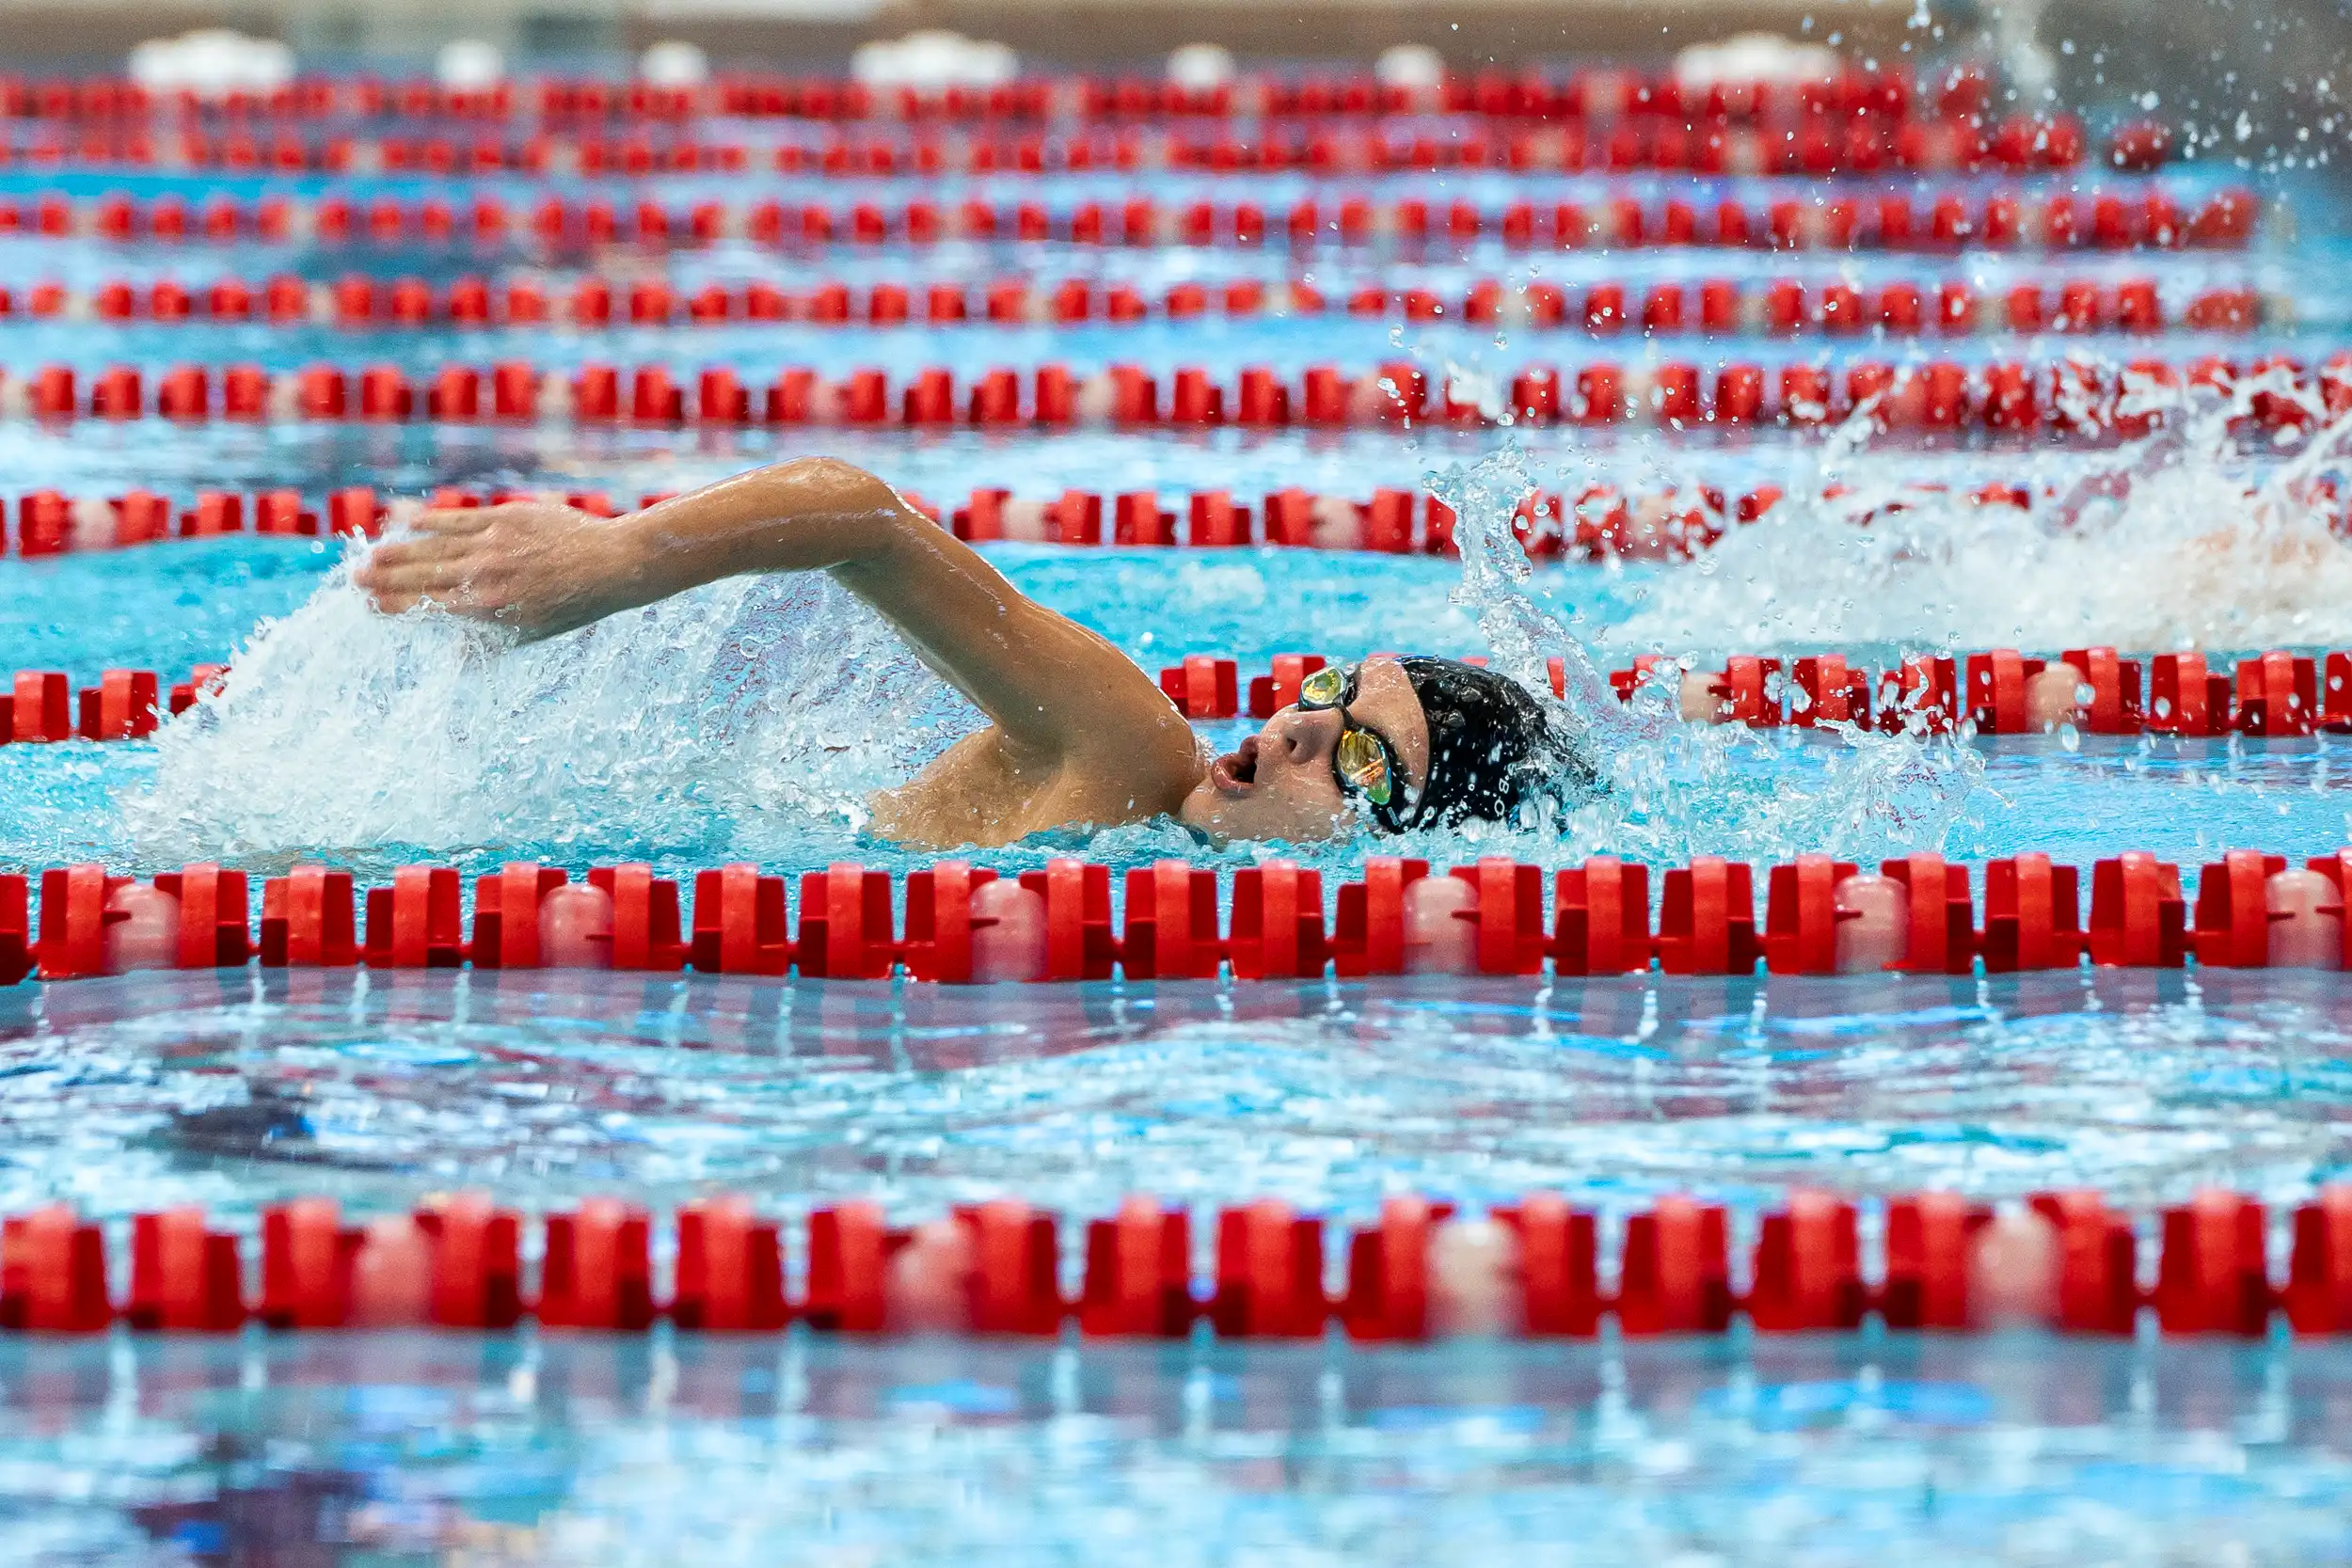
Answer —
237 1088
1826 1450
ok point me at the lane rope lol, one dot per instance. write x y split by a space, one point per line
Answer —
2077 395
962 924
1421 1270
1711 308
2121 217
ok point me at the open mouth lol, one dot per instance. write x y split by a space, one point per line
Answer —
1236 770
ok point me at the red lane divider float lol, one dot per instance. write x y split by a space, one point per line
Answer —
2124 218
49 523
1812 147
2275 695
42 707
1599 523
2070 396
1716 307
2278 694
1892 95
1595 524
965 923
2066 1260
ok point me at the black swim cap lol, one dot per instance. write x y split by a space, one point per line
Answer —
1494 749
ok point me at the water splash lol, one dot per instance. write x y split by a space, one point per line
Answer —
1521 633
1673 790
2189 537
748 713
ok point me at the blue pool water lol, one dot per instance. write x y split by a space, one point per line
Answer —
1833 1450
749 722
238 1090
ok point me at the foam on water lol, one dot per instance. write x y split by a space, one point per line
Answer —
748 712
2191 537
1673 790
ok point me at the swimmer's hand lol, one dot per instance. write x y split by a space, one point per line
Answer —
538 567
541 567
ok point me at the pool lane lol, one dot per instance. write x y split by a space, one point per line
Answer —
238 1088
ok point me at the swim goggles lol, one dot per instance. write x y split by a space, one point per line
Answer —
1362 763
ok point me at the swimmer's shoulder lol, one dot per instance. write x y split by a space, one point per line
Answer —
988 792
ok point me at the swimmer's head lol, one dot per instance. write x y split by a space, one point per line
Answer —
1455 743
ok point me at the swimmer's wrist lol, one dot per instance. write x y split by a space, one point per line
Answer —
642 558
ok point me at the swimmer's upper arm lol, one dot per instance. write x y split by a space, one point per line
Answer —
1051 685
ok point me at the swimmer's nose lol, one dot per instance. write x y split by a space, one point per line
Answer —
1303 734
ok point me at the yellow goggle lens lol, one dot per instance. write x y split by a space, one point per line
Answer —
1364 764
1324 687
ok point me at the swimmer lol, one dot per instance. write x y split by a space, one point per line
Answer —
1078 736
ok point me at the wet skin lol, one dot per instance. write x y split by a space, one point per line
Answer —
1078 736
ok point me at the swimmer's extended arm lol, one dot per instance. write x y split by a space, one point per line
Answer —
543 568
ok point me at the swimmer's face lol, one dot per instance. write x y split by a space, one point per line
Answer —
1280 784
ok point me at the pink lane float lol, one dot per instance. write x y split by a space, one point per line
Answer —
2066 1261
965 925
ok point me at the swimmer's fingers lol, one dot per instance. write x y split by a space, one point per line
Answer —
458 520
455 596
400 601
404 564
430 576
400 583
399 553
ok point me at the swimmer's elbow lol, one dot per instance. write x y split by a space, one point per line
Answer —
836 487
826 473
857 510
